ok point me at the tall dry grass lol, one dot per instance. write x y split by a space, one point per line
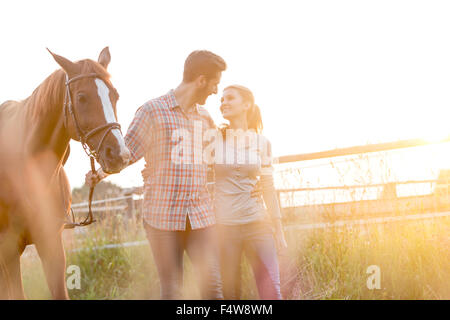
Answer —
414 259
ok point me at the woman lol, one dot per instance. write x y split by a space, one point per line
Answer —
243 224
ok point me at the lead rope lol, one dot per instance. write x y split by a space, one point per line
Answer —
90 218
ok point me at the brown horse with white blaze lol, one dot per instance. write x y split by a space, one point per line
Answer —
76 102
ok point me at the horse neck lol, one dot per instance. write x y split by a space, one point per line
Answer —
44 115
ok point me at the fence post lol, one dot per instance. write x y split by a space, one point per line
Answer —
130 206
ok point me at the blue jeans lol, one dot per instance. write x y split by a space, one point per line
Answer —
257 241
168 249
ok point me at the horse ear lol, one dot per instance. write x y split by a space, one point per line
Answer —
68 66
105 57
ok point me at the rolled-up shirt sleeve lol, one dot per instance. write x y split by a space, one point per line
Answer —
139 134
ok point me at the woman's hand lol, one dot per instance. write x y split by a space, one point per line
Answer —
146 172
256 191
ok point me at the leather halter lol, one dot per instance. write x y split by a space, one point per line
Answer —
84 138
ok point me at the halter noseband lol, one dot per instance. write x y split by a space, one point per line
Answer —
84 137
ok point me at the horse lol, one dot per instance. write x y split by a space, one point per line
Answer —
76 102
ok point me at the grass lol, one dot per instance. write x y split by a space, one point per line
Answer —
413 257
414 260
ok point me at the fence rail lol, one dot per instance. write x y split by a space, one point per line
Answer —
108 200
361 222
369 148
100 209
78 207
359 186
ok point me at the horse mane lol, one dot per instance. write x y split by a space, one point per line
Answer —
49 95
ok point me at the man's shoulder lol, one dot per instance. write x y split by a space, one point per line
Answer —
205 114
160 102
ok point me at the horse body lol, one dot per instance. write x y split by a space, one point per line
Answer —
35 194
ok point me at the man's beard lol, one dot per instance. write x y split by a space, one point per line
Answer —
201 96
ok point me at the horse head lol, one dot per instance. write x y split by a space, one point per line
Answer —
89 110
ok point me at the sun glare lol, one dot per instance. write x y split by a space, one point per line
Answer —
436 134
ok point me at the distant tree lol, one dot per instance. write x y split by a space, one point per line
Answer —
102 190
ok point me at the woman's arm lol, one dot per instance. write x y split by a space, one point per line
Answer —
269 193
273 206
270 196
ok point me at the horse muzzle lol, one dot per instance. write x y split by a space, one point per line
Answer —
114 159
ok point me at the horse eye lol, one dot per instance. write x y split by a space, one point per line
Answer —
81 98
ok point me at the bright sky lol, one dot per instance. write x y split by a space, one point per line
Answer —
326 74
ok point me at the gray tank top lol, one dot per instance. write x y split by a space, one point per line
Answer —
237 170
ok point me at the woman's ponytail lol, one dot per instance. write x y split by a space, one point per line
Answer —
254 119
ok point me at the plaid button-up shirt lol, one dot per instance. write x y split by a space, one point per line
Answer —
175 178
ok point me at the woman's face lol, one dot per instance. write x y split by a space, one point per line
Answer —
233 106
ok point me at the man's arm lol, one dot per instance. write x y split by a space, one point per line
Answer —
139 134
137 140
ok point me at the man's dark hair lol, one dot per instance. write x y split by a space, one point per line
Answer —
202 62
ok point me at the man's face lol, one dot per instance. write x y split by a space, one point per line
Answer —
209 88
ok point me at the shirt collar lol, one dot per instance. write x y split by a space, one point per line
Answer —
174 104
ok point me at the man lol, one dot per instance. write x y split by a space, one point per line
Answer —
178 215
